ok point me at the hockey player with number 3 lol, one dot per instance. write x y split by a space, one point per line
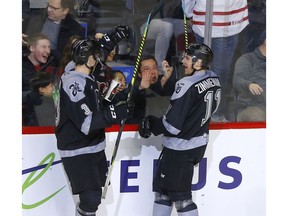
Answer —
80 126
185 129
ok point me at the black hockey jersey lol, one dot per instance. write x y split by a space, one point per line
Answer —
80 122
187 119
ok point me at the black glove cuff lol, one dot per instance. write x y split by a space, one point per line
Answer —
156 126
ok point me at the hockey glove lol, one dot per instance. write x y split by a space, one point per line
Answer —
109 40
123 31
114 113
131 108
146 125
151 124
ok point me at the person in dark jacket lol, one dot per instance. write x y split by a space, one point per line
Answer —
56 22
38 59
148 78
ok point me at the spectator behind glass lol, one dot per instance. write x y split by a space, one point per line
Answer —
56 23
120 78
162 30
257 24
41 85
250 83
229 19
38 59
148 78
115 95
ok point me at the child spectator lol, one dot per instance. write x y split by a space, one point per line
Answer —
41 85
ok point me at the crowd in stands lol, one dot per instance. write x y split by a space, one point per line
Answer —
238 41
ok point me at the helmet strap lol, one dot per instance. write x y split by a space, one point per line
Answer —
90 68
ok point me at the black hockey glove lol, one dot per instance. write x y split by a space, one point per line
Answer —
109 40
117 112
146 125
123 31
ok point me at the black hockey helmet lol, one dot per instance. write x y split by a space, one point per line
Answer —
83 48
200 51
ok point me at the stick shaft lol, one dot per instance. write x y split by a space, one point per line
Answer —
185 27
139 56
105 189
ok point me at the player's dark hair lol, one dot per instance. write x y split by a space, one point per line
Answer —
200 51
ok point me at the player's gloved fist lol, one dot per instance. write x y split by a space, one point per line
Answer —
129 106
122 30
117 112
145 126
110 40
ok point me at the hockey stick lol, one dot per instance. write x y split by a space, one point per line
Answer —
104 192
185 27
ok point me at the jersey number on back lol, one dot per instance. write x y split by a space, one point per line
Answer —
211 98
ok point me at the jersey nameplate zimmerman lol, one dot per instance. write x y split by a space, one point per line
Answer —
206 84
201 86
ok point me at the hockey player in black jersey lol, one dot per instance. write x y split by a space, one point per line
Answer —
80 127
185 129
